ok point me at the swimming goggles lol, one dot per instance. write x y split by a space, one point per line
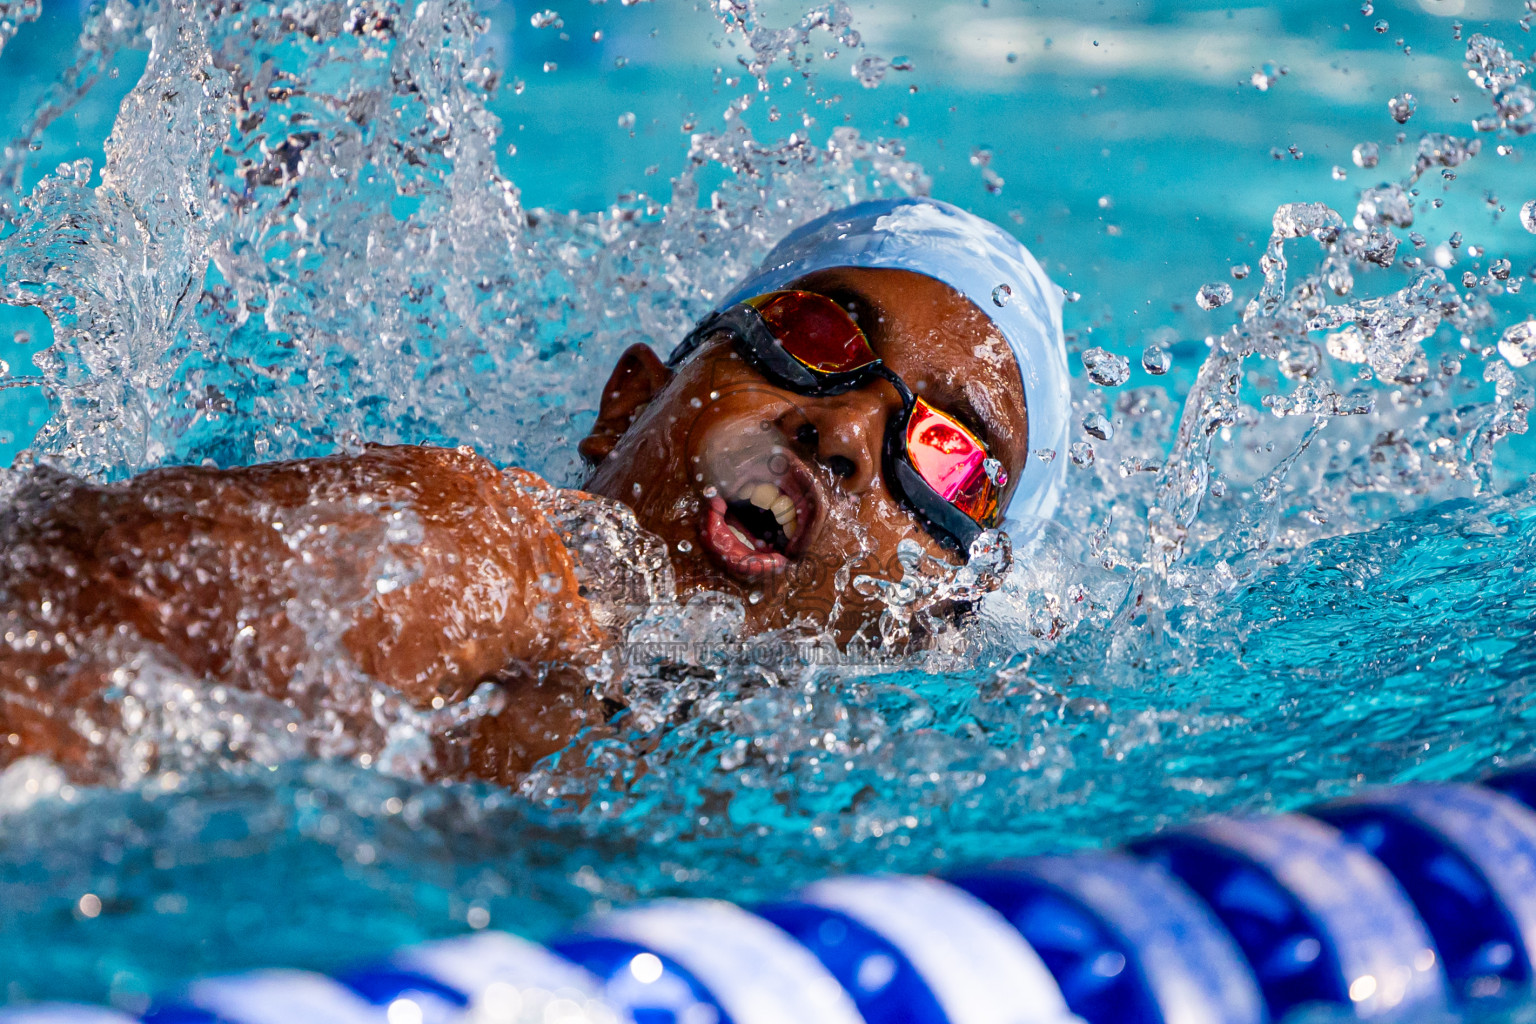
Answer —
807 343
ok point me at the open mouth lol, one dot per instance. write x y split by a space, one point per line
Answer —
757 520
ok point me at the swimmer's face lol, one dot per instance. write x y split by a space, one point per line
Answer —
669 443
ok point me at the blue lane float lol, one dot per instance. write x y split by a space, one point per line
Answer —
1466 856
1126 941
707 962
913 950
1406 899
1317 917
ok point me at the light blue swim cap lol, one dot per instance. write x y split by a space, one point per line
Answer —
974 257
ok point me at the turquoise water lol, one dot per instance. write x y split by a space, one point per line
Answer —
1378 631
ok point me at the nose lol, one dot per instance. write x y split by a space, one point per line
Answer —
847 433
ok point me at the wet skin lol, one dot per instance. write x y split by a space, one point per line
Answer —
659 431
205 570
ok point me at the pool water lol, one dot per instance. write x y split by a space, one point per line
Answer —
1251 616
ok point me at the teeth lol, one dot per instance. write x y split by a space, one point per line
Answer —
781 507
745 494
763 495
748 541
791 528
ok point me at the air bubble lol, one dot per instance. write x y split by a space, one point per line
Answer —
1156 360
1402 106
1366 155
1002 295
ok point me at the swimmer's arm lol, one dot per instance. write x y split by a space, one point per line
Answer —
494 588
431 570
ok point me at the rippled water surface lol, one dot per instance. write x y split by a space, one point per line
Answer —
1293 559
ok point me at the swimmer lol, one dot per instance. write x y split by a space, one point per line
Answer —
894 371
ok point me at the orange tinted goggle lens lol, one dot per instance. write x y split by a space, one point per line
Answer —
815 330
952 461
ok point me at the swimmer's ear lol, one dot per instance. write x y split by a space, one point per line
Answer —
637 379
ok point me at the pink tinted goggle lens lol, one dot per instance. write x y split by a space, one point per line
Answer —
952 461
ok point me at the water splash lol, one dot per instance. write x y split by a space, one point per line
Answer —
301 251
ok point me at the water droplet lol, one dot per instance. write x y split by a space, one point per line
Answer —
549 66
546 19
1367 154
1106 369
1518 346
1156 360
1095 424
685 546
1002 295
1241 271
1402 106
1382 26
1081 453
1367 9
1213 295
1528 216
627 120
755 597
1339 173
